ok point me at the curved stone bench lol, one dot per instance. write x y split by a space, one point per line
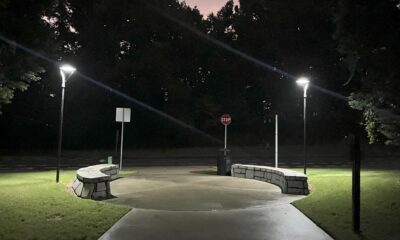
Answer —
94 181
289 181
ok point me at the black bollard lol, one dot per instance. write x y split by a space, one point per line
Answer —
356 198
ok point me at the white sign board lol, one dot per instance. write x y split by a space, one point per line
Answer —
123 113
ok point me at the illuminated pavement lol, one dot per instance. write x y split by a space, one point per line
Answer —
191 203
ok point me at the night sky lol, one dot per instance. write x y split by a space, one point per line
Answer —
207 6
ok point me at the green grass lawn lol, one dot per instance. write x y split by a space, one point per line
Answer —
33 206
329 204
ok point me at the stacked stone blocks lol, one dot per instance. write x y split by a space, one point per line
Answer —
94 181
289 181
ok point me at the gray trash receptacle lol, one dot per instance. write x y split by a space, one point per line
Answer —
224 163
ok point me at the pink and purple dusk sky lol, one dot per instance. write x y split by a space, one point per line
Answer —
207 6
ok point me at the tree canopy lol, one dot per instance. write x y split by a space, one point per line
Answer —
21 21
368 33
142 49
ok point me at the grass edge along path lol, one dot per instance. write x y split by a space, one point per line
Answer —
329 203
34 206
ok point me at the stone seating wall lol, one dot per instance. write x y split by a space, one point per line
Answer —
289 181
94 181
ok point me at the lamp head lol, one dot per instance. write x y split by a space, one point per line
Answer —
303 81
66 72
68 69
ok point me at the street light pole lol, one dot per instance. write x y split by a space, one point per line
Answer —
60 129
305 129
66 72
304 82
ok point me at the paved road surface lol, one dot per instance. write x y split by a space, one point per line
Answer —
289 156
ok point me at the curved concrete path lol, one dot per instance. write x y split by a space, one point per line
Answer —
193 203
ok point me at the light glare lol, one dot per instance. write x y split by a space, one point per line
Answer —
67 69
303 81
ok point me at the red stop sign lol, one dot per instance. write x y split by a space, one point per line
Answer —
226 119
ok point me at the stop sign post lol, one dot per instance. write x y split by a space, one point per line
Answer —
122 115
226 120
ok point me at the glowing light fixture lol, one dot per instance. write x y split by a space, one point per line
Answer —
303 81
67 68
66 72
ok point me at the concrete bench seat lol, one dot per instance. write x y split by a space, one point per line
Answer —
94 181
289 181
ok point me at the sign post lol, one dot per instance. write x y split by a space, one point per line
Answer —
276 140
226 120
122 115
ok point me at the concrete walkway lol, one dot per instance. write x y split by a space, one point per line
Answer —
191 203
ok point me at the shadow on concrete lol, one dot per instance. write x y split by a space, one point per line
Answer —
205 172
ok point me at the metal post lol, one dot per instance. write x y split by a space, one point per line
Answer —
356 198
116 143
226 129
305 131
276 140
60 133
122 139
